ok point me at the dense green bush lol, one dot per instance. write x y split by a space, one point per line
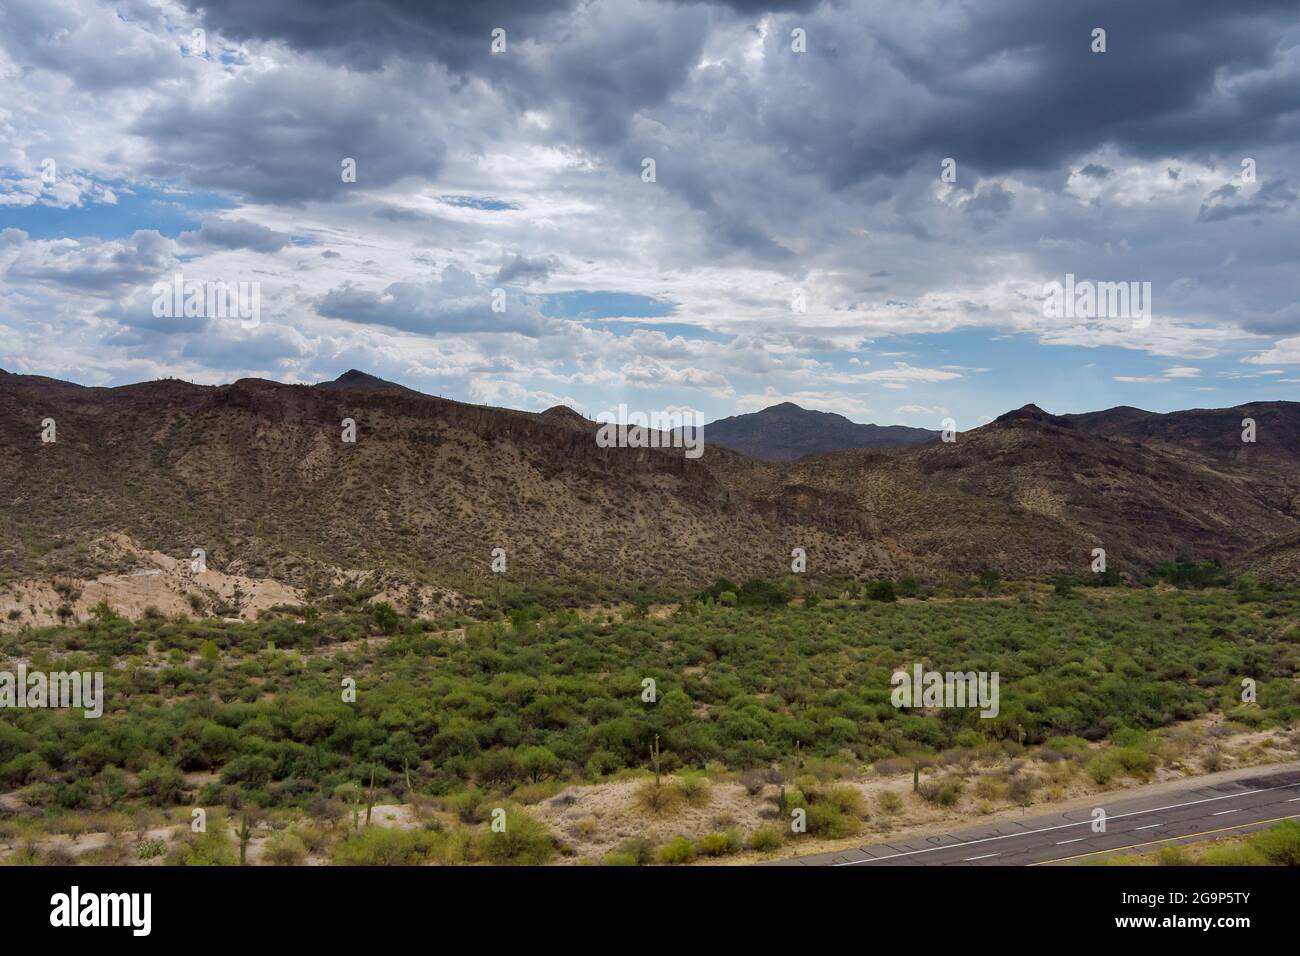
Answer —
677 850
720 844
880 591
496 708
382 846
523 842
1280 844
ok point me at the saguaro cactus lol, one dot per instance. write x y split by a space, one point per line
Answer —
245 833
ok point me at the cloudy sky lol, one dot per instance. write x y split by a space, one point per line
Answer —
799 239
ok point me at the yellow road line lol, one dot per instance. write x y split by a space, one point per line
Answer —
1186 836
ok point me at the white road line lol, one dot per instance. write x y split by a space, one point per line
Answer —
1222 812
1079 823
1075 840
984 857
1293 799
1147 826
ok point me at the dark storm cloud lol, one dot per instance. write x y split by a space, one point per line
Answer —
258 348
1004 86
453 302
366 33
1013 84
139 324
399 214
603 63
282 135
235 234
523 269
991 202
92 267
1227 202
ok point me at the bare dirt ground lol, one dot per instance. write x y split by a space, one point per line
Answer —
169 585
158 581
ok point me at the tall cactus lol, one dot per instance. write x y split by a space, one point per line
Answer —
245 833
370 795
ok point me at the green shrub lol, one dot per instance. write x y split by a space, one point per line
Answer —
1173 856
382 846
284 848
829 821
601 763
766 839
720 844
889 802
163 784
148 849
205 849
1279 844
944 793
1135 761
385 617
759 593
1103 767
1232 854
660 798
635 852
881 591
848 799
695 789
792 799
523 842
677 850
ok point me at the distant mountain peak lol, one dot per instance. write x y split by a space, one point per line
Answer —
1032 413
564 415
364 381
786 431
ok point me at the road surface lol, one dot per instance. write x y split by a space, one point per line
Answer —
1200 808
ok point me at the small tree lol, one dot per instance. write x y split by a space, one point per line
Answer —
537 762
385 617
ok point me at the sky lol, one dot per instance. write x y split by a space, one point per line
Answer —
855 205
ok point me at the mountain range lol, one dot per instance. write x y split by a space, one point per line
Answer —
785 432
258 475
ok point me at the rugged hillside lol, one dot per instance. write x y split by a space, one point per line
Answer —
1071 491
1267 469
257 474
1032 493
785 432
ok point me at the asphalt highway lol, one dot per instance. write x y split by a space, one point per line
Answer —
1202 808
